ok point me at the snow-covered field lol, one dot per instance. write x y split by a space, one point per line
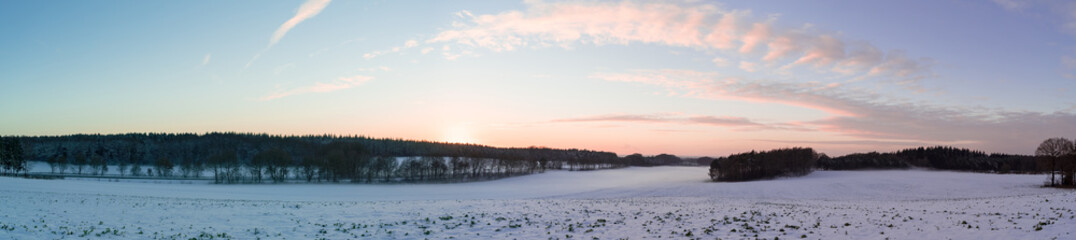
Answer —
632 203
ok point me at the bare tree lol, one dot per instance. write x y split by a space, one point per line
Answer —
256 167
386 165
276 162
62 163
308 168
1052 150
122 166
136 169
98 165
80 162
164 167
1068 169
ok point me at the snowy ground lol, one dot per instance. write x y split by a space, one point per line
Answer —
635 203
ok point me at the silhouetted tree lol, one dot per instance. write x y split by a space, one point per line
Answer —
386 166
98 165
136 169
761 165
61 161
704 161
163 166
256 167
53 164
308 168
1051 151
122 165
635 159
276 163
80 162
11 156
1067 164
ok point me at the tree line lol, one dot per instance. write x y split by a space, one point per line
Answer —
937 157
1056 155
12 160
663 159
241 157
763 165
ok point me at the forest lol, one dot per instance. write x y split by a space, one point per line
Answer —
762 165
938 157
256 158
253 158
1056 156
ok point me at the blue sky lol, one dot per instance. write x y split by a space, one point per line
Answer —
684 77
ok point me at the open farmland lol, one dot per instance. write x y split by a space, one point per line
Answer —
631 203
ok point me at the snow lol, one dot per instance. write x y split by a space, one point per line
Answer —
611 204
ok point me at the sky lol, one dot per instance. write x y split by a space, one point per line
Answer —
691 78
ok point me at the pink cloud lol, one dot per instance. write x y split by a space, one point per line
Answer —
760 33
782 47
597 23
408 44
699 26
720 62
748 66
724 34
866 115
725 121
860 57
899 64
714 86
739 123
824 50
619 118
320 87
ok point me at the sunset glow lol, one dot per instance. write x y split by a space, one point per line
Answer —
457 134
692 78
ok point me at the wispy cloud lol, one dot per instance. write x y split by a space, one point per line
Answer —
306 11
619 118
853 142
864 114
309 9
1012 5
716 86
320 87
720 62
739 123
205 60
704 27
375 69
397 49
725 121
748 66
1068 62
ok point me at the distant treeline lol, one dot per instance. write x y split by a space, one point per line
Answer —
657 160
239 157
939 157
11 157
800 161
762 165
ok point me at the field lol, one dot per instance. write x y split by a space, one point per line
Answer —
631 203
